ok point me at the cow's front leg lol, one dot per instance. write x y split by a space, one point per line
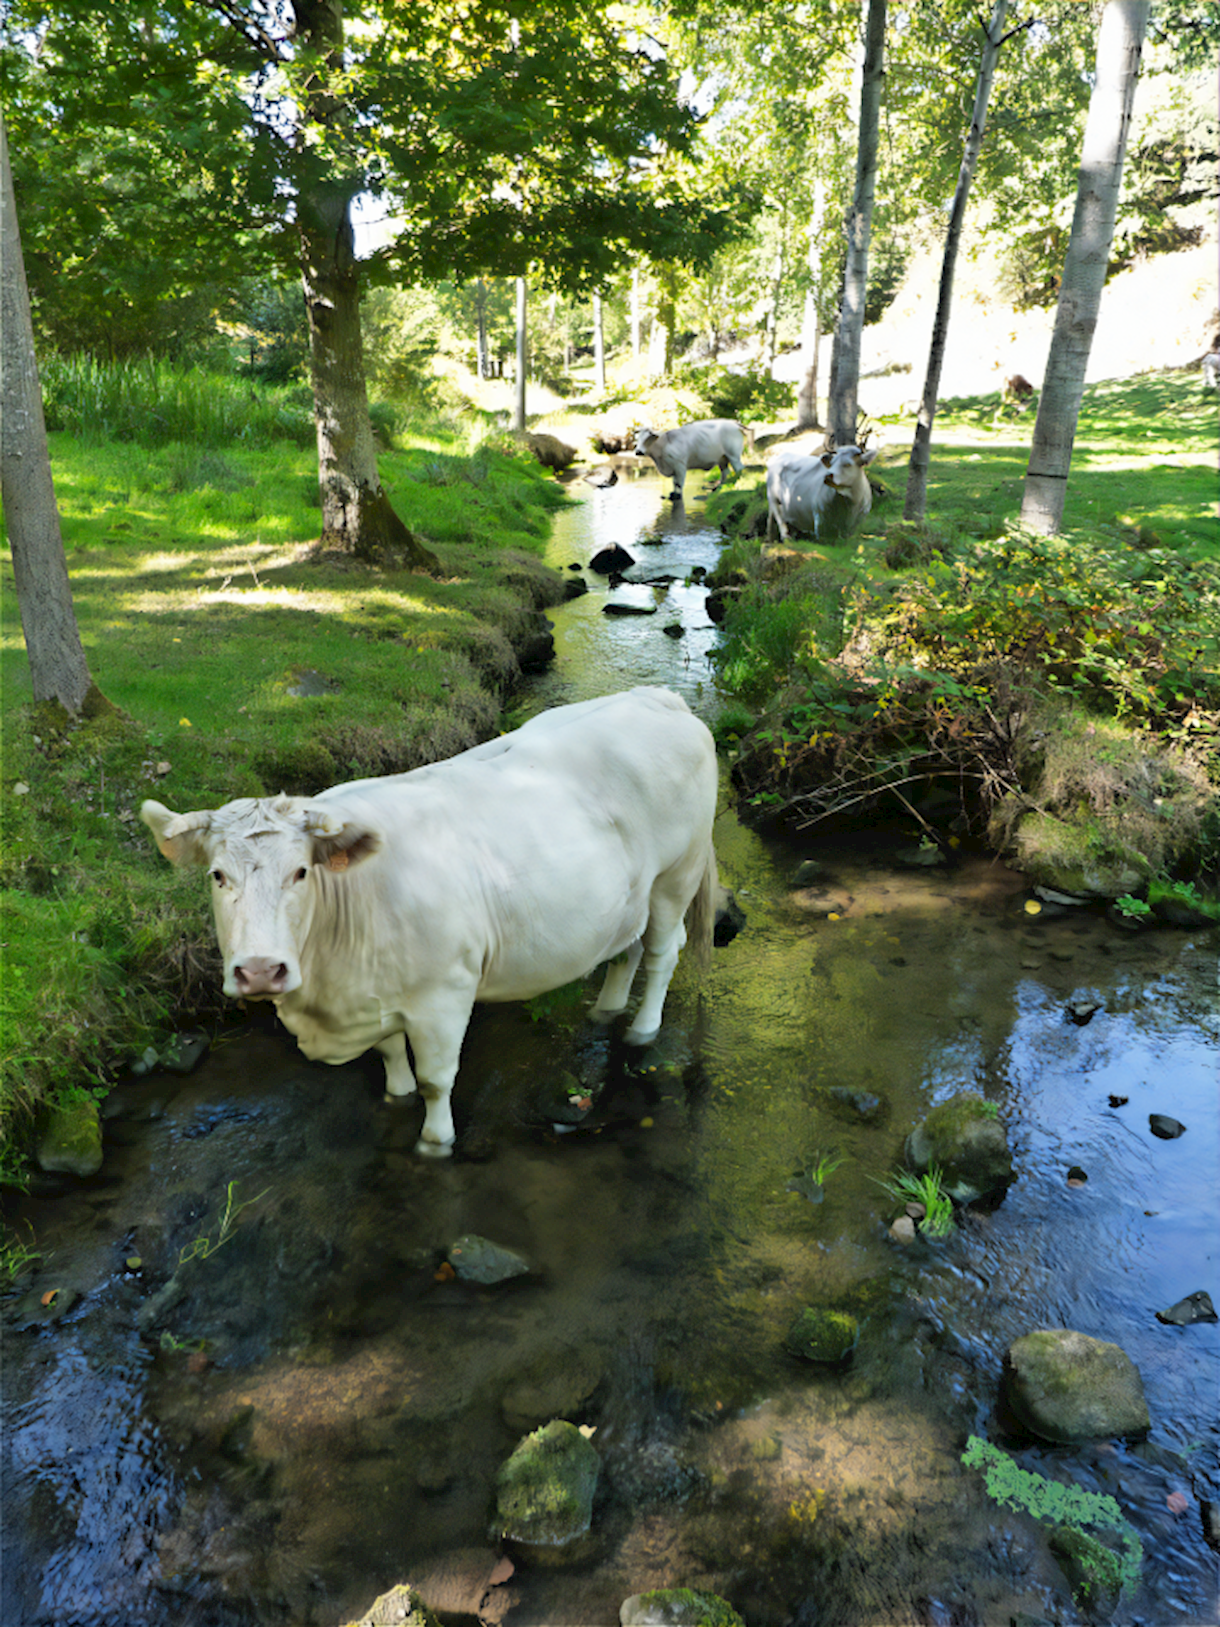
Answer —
723 466
436 1040
399 1080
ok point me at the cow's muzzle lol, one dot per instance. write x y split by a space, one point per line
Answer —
260 978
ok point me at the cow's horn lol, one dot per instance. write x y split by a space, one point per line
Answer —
320 822
165 823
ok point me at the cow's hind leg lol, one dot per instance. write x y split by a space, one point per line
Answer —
663 939
616 990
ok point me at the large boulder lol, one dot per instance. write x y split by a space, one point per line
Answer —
821 1335
544 1492
551 452
968 1144
1065 1386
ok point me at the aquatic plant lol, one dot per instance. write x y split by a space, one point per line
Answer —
1069 1508
928 1189
15 1256
203 1247
1134 909
804 1510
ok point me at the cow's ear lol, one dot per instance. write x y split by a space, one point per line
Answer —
863 458
828 458
338 843
181 837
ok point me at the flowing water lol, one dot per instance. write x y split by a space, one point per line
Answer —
316 1409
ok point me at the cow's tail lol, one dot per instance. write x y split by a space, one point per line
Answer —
748 431
701 916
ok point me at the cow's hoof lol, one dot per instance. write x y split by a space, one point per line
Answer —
434 1149
399 1101
604 1018
640 1036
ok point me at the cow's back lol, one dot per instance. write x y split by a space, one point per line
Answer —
536 848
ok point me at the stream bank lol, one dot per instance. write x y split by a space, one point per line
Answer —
323 1410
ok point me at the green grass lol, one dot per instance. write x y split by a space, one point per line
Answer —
929 1190
202 604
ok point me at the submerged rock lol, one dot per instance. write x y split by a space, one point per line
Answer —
1166 1128
618 608
544 1492
968 1144
71 1140
1066 1386
856 1106
477 1259
821 1335
730 918
1196 1307
677 1607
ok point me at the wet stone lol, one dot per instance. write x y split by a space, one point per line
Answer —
821 1335
1166 1128
402 1606
1065 1386
857 1106
71 1141
1082 1011
31 1312
677 1607
477 1259
1196 1307
616 608
184 1052
807 874
544 1492
611 559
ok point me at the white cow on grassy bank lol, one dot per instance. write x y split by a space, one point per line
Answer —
378 912
709 443
801 491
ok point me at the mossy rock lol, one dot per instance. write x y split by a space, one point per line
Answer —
821 1335
71 1140
677 1607
967 1143
1065 1386
544 1493
1094 1572
400 1607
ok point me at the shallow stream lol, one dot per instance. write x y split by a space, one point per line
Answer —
322 1411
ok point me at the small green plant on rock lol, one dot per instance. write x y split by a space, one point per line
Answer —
1134 909
1070 1509
928 1189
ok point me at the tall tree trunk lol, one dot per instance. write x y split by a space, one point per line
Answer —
661 346
811 323
599 346
480 306
356 513
917 478
845 380
1119 43
522 357
59 671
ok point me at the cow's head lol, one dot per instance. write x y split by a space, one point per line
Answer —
262 853
844 466
644 438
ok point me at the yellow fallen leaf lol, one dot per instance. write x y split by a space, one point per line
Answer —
1032 907
833 917
49 1297
645 1124
184 722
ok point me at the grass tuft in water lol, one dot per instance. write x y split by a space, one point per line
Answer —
928 1189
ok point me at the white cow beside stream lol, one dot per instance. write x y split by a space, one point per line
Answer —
376 913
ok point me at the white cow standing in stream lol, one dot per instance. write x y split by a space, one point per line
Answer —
377 913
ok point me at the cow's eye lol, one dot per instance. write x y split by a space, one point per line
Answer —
301 874
218 876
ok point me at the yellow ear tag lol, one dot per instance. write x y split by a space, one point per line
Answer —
337 861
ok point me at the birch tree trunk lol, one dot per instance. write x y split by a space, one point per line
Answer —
1119 44
522 357
917 478
59 671
480 306
845 380
599 346
811 323
661 345
356 513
